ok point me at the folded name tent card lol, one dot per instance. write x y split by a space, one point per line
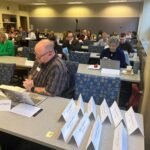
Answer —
116 114
105 112
94 139
5 105
110 71
80 105
68 111
69 126
92 108
133 123
80 130
120 138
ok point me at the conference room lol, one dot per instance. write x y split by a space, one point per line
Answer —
74 74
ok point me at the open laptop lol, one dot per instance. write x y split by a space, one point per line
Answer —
110 64
22 96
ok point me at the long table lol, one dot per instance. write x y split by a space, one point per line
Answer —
83 68
35 128
19 61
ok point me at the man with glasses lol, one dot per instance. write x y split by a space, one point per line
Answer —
49 74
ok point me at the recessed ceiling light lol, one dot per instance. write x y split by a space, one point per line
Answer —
75 3
38 4
117 1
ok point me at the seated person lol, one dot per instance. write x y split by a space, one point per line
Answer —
71 43
6 46
113 52
49 75
124 44
58 48
104 40
31 35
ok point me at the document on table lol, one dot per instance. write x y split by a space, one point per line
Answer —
5 105
110 71
29 63
25 110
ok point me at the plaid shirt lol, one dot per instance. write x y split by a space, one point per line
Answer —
53 76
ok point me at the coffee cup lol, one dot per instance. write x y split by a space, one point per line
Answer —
129 69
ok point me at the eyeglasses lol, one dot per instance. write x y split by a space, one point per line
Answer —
39 57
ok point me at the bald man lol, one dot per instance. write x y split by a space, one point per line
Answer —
49 74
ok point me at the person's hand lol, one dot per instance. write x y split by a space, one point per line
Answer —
28 84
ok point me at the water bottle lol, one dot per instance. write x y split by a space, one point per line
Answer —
135 67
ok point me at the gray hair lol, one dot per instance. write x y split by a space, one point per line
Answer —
114 40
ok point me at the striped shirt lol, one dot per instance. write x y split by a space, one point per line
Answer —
53 76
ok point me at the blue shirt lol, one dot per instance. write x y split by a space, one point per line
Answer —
118 55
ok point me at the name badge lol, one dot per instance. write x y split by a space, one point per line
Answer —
38 69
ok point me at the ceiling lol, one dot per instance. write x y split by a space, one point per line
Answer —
50 2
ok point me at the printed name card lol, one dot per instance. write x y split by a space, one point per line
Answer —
120 138
92 108
116 114
80 105
94 139
105 112
5 105
70 108
133 124
69 126
80 131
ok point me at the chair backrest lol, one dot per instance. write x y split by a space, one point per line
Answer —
110 64
88 42
6 72
126 57
32 44
99 87
72 70
95 49
26 52
80 57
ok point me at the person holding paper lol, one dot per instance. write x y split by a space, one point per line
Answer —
113 52
49 74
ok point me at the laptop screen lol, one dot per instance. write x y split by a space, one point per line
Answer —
110 64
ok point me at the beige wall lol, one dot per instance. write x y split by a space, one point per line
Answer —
14 10
94 10
144 28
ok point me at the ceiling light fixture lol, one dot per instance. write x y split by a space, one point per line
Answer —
117 1
38 3
75 3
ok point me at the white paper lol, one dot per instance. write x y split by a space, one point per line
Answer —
105 112
68 111
80 105
116 114
25 110
92 108
133 124
12 88
120 138
69 125
29 63
5 105
81 129
94 139
110 71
